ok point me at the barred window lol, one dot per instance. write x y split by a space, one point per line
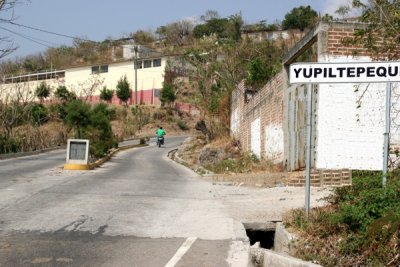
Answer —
157 62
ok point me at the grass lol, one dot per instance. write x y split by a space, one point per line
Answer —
359 227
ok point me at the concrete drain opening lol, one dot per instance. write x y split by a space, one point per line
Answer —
263 233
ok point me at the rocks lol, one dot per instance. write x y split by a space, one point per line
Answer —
209 156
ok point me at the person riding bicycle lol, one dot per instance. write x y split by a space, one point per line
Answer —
160 134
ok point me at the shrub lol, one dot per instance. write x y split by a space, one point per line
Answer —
106 94
182 125
39 114
9 145
361 226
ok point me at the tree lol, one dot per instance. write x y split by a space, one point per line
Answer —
219 69
143 37
78 116
176 33
42 91
106 94
300 18
63 94
167 94
381 33
6 44
209 15
221 27
342 11
39 114
100 131
123 92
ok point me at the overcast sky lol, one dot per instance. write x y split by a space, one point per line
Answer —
97 19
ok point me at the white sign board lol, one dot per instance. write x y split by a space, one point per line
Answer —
352 72
78 151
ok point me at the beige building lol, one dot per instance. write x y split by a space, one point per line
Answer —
87 81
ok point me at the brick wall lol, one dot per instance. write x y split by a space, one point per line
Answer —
266 105
336 34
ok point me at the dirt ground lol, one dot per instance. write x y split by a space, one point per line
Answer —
255 197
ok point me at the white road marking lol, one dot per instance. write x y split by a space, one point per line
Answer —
181 252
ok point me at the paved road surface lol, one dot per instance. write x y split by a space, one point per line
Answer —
139 209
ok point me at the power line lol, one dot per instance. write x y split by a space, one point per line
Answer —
50 32
32 39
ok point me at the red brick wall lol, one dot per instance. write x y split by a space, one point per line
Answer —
336 35
266 104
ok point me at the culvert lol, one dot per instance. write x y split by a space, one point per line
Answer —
264 233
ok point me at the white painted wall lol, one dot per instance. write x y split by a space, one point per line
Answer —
273 145
350 124
256 137
235 123
148 78
81 78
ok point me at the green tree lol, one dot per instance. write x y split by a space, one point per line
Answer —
219 69
78 116
42 91
221 27
123 92
167 95
100 131
63 94
300 18
38 114
381 32
106 94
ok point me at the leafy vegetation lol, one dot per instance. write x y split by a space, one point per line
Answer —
42 91
123 91
381 32
359 227
300 18
106 94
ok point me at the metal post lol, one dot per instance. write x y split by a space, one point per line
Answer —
136 67
309 149
386 133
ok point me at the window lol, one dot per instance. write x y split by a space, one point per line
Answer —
99 69
103 68
147 64
157 62
139 64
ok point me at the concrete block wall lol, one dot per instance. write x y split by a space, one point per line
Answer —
321 178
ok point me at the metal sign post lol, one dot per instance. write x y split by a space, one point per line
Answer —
348 72
386 133
309 144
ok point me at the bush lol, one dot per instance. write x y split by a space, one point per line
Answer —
39 114
106 94
361 225
9 145
100 131
58 111
182 125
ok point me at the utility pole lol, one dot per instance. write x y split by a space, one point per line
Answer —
135 49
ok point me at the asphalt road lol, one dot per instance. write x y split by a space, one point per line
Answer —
138 209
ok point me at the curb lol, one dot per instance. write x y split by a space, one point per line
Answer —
107 157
